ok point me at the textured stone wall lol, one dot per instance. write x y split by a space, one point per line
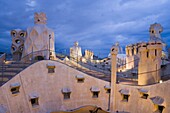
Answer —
35 80
136 104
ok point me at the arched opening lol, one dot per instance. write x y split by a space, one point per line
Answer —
22 34
39 58
17 41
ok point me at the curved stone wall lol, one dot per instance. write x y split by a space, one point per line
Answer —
36 82
137 104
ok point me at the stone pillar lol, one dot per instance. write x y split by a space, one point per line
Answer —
135 50
130 50
114 52
143 52
130 58
127 56
141 68
150 63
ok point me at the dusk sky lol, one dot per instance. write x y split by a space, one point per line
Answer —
95 24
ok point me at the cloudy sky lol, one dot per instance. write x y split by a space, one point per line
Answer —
96 24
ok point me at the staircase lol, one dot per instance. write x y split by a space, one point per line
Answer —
88 70
10 69
85 67
94 73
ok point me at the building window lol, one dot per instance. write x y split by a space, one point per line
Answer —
34 99
147 54
158 103
155 52
107 88
66 93
34 102
144 96
95 94
125 95
51 68
80 78
95 91
144 93
125 98
14 88
159 109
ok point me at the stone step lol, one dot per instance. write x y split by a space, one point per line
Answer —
10 69
91 72
8 73
13 69
20 63
2 66
13 66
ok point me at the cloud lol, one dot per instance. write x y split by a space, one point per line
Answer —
31 3
96 25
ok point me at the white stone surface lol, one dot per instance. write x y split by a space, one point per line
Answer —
48 86
40 38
